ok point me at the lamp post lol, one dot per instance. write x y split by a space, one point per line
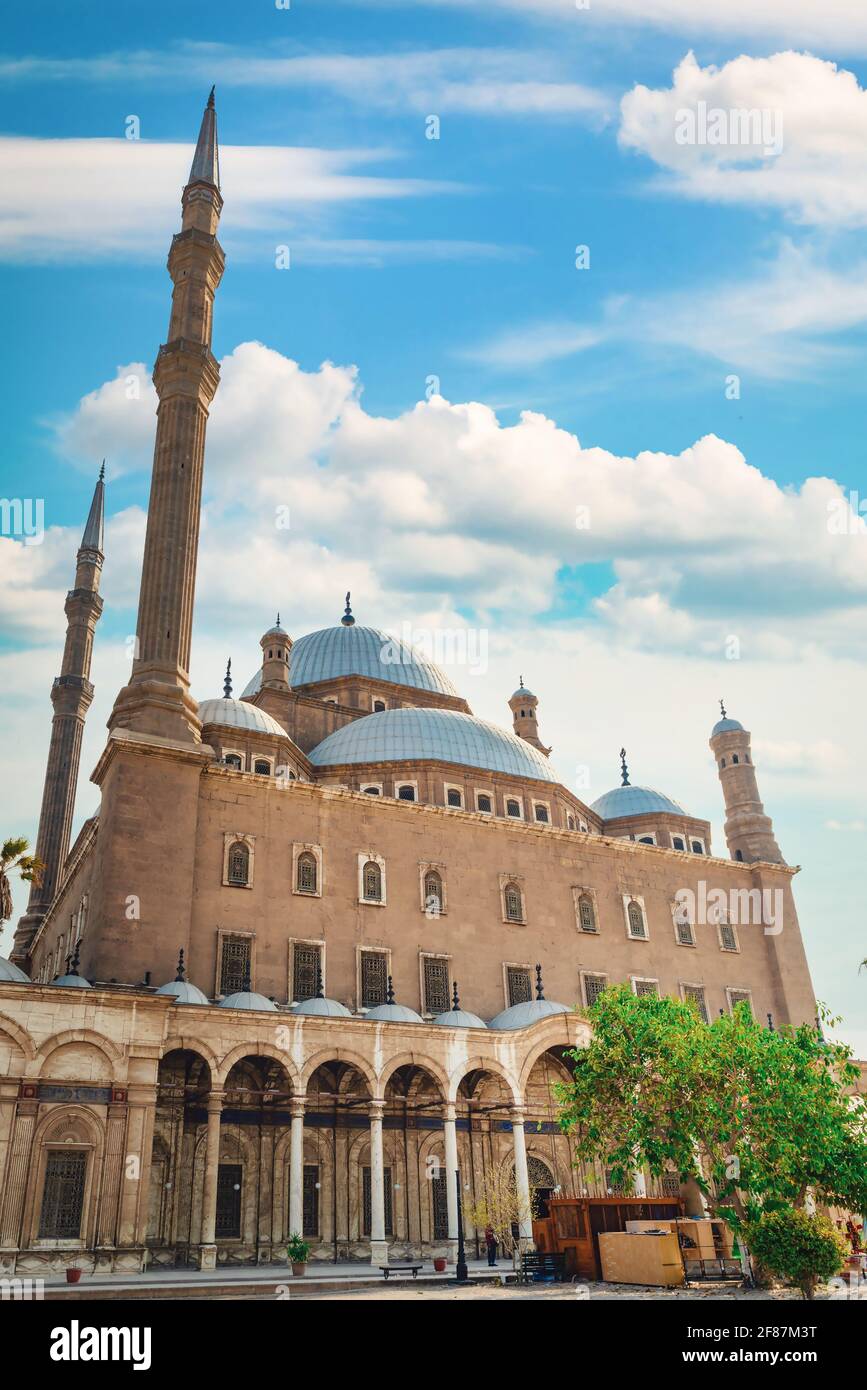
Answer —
461 1271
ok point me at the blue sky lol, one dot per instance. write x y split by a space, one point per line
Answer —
454 259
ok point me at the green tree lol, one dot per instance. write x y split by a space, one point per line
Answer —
797 1246
13 856
772 1113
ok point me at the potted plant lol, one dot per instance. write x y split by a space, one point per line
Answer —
298 1253
73 1274
440 1263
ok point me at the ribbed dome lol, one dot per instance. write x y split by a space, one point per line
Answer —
524 1015
184 992
9 973
459 1018
726 726
248 999
394 1013
322 1008
411 735
359 651
238 714
635 801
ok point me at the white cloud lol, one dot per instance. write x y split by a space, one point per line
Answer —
810 112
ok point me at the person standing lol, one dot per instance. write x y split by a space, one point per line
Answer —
491 1242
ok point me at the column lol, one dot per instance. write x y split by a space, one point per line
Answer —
378 1243
208 1248
134 1211
522 1179
112 1164
15 1182
450 1140
296 1168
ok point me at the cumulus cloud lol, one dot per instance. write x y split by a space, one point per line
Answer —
792 134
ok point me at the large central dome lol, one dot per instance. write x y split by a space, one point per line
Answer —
445 735
359 651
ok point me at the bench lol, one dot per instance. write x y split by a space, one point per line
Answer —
538 1268
401 1269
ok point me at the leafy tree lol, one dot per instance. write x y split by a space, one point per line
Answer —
771 1113
13 856
797 1246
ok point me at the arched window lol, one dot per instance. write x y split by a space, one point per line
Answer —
372 882
378 706
697 847
307 877
570 821
239 864
263 767
636 920
542 813
483 803
735 758
453 797
433 892
233 760
586 915
513 808
512 898
722 762
406 793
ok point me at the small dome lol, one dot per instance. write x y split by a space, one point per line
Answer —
459 1018
523 1015
184 992
727 726
278 630
322 1008
522 693
248 999
238 714
635 801
394 1013
9 973
73 982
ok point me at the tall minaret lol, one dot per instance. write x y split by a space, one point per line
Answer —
157 699
71 695
749 832
523 705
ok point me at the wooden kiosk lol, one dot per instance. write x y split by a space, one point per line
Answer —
573 1226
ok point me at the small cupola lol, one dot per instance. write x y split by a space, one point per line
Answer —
276 645
524 705
183 990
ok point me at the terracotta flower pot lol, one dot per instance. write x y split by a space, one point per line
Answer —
73 1276
440 1264
299 1269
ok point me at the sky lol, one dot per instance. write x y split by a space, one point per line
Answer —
524 340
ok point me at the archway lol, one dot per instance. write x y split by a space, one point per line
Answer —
183 1086
336 1124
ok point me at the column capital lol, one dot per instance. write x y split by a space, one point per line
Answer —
450 1111
376 1109
516 1114
215 1101
298 1105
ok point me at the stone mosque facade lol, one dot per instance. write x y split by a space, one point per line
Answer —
301 972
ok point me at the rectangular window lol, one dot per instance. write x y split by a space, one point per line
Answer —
696 994
366 1202
63 1195
311 1200
440 1207
235 963
518 985
374 978
228 1224
305 971
684 934
436 985
670 1185
740 996
593 987
727 938
642 987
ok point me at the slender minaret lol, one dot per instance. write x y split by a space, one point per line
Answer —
71 695
276 645
749 832
157 699
523 705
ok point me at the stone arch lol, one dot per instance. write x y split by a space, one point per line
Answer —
549 1034
107 1049
19 1036
180 1043
488 1064
80 1128
73 1124
253 1048
433 1069
338 1054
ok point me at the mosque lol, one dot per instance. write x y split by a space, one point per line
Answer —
313 966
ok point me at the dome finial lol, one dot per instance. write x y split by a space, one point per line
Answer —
227 683
179 977
624 770
278 618
390 996
540 993
456 1003
319 991
347 620
73 969
723 710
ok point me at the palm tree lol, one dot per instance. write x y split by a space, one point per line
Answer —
13 856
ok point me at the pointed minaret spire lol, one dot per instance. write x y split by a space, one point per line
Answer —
71 695
205 167
156 700
227 683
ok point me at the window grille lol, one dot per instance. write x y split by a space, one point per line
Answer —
728 939
513 808
670 1185
305 972
684 934
366 1202
645 987
518 985
483 803
310 1219
372 882
378 706
228 1223
233 760
440 1207
696 994
239 864
371 791
542 813
636 920
586 915
433 892
741 996
697 847
374 978
436 985
593 987
307 873
262 767
406 793
453 797
63 1195
678 843
234 964
513 904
